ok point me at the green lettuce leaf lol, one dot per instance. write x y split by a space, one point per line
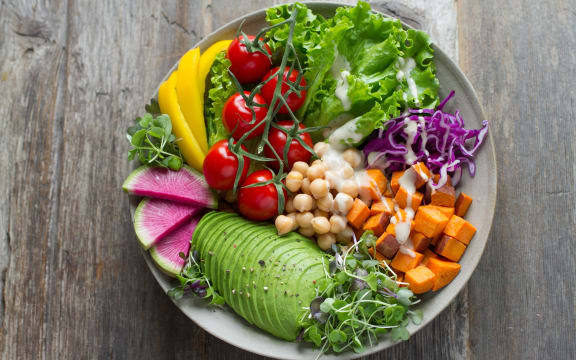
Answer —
360 53
220 88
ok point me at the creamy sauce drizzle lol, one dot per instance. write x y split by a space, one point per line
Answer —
341 70
411 130
405 67
345 136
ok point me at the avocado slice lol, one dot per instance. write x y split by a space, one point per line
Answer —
279 273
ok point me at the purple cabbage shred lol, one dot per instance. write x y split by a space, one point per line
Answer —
440 141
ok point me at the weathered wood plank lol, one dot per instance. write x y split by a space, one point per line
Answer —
520 57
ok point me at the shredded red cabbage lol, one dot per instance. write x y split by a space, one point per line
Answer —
438 139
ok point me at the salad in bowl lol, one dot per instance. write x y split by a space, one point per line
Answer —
306 176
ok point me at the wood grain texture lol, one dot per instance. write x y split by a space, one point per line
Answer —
73 73
520 57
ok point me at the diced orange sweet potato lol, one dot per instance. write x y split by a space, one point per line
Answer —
406 259
358 214
462 204
391 228
436 178
428 254
377 223
420 242
387 245
430 222
435 239
401 198
394 184
421 279
448 211
450 248
445 271
384 205
444 196
460 229
375 184
422 174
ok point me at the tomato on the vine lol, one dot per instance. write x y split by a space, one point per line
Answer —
294 100
236 116
260 202
220 166
296 152
248 67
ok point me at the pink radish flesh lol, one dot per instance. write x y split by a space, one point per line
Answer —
166 254
156 218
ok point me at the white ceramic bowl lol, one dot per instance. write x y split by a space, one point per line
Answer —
229 327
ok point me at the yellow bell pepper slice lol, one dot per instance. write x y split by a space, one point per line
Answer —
189 96
168 101
206 61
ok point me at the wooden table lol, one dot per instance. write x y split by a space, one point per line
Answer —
73 73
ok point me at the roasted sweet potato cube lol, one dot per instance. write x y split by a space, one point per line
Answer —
387 245
402 195
406 259
430 222
384 205
421 279
377 223
422 174
358 214
374 185
462 204
394 184
448 211
444 196
460 229
420 242
391 228
450 248
435 239
445 271
428 254
436 179
378 179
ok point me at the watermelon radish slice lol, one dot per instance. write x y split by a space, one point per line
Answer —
166 254
156 218
185 186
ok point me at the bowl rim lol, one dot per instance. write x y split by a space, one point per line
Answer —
477 108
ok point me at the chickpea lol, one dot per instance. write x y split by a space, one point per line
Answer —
304 219
332 178
289 206
342 203
316 172
306 231
321 148
349 187
337 224
352 157
301 167
347 172
325 241
303 202
294 180
317 162
305 188
321 225
345 236
284 224
321 213
292 216
319 188
325 203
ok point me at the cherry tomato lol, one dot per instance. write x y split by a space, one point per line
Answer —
248 67
294 100
260 202
296 152
236 116
220 166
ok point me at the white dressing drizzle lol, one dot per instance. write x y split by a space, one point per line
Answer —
405 67
403 226
410 130
423 132
345 136
341 70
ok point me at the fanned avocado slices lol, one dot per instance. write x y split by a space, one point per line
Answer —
267 279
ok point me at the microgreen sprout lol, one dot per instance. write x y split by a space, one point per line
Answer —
357 302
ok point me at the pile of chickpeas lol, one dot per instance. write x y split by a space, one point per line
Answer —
321 198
